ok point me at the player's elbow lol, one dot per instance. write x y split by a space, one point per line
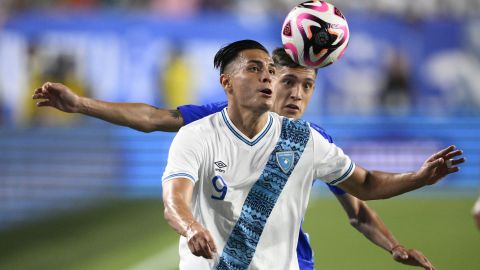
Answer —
371 189
141 129
142 126
146 126
364 194
147 123
369 195
355 222
146 129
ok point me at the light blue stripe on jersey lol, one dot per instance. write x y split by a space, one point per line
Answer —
242 242
251 143
176 175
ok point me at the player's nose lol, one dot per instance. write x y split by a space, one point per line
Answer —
296 93
266 77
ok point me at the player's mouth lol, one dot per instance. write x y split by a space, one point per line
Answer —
292 107
267 92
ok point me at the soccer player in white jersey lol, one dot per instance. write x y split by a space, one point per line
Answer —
237 182
291 76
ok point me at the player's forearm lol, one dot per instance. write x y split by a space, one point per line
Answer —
138 116
178 214
372 226
382 185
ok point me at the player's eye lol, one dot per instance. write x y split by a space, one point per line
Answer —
271 71
254 68
288 82
308 86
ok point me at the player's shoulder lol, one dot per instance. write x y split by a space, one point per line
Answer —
320 130
192 112
203 125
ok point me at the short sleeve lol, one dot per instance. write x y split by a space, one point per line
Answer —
191 113
184 157
331 165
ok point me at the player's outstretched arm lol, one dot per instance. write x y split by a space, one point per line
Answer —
366 221
138 116
476 212
177 195
370 185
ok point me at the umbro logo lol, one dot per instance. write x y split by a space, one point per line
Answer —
220 165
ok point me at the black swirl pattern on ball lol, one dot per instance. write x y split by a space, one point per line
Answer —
315 30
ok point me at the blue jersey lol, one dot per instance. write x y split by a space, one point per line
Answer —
191 113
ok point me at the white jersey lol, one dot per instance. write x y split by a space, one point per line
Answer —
224 164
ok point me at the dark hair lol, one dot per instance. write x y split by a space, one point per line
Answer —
229 52
282 59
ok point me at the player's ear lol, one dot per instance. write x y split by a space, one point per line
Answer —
226 82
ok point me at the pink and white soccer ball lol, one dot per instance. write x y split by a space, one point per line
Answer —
315 34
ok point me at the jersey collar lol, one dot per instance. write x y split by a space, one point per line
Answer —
240 135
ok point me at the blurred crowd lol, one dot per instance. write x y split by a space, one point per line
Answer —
413 76
189 7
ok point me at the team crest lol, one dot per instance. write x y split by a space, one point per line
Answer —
285 160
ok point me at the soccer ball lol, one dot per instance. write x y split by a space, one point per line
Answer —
315 34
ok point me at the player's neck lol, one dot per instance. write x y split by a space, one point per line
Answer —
249 122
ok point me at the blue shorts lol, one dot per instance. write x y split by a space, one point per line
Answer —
304 252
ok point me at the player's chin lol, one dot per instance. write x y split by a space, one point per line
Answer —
266 105
291 113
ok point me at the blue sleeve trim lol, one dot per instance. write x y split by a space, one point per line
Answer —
344 176
177 175
192 113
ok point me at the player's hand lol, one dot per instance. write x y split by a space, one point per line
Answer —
476 217
200 242
58 96
440 164
476 213
411 257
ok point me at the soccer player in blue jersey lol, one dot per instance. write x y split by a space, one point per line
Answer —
292 78
294 87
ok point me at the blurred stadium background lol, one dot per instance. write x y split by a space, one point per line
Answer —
78 193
